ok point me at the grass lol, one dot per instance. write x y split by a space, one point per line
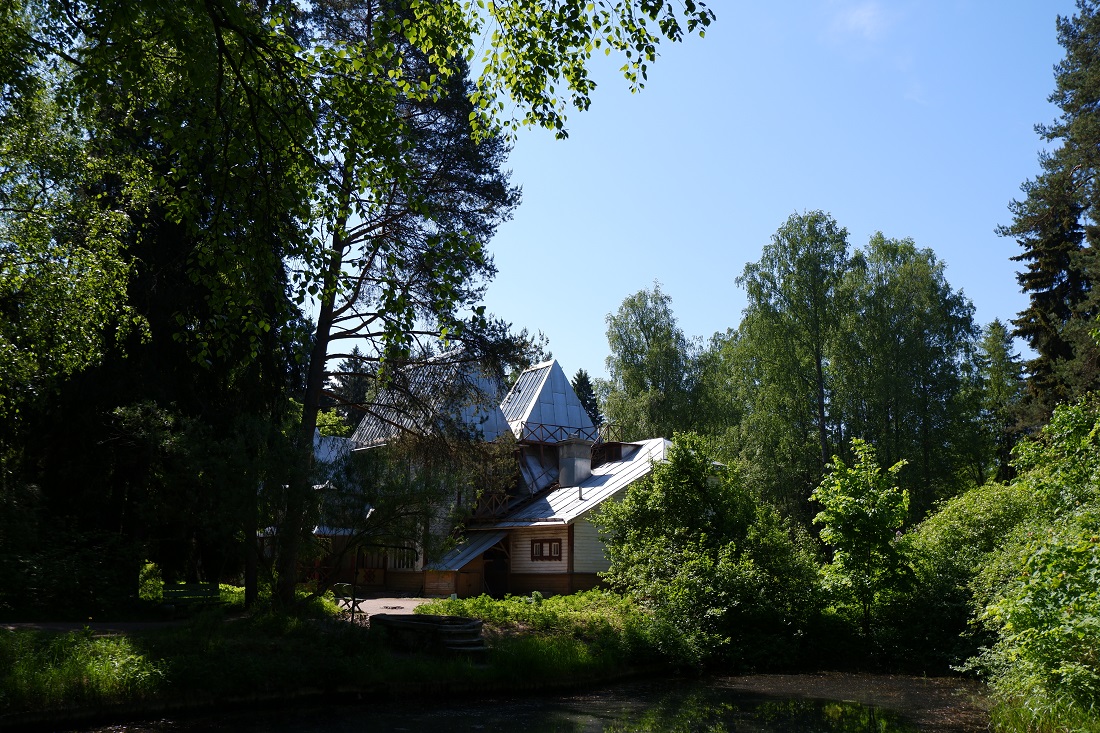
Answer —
558 638
216 655
45 670
1033 717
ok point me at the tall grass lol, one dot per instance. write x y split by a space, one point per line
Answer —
1020 714
593 630
40 671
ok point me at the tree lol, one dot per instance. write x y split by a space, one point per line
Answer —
1002 391
793 310
1035 589
1056 225
862 516
718 567
268 134
900 365
782 354
582 385
63 272
650 391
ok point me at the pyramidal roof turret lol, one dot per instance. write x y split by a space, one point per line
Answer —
543 408
447 392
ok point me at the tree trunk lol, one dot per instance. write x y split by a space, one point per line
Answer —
299 489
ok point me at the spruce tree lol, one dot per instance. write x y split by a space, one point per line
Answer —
582 385
1057 226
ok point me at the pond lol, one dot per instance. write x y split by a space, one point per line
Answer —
654 706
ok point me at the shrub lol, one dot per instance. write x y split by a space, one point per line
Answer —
719 570
1040 587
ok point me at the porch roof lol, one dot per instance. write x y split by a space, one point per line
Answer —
475 544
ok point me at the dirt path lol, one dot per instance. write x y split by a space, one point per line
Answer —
935 703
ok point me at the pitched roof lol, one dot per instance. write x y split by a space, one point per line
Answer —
475 544
543 408
566 505
425 398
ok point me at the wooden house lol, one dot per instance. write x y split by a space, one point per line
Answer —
534 535
547 543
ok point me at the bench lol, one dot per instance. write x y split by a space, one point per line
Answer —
178 596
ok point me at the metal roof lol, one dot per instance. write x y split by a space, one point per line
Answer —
475 544
542 407
430 397
564 506
329 449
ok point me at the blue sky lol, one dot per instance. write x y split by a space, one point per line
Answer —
914 118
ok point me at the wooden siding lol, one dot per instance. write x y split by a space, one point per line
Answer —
440 582
548 584
586 581
521 562
552 584
405 582
589 555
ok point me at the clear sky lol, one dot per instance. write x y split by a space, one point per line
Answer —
910 117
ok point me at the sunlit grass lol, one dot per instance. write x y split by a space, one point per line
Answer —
1040 716
217 652
42 670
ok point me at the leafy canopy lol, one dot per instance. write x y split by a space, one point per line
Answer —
861 517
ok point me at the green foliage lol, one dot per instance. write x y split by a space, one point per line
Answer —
651 389
861 517
63 272
1039 588
41 671
1002 391
902 366
586 393
717 568
207 168
613 629
833 344
927 627
331 424
793 311
1055 225
150 583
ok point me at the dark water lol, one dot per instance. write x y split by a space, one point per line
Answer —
652 706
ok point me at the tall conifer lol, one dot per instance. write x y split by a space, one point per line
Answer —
1058 228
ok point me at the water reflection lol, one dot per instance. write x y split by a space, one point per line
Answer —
647 707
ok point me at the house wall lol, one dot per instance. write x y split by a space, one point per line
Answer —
588 551
406 581
440 583
549 584
552 584
521 563
582 557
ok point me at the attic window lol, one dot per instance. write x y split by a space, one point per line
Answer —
545 550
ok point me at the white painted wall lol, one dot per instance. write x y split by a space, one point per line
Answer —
521 550
588 552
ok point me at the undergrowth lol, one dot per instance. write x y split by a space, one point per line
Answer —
593 630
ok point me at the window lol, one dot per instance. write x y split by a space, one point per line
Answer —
546 549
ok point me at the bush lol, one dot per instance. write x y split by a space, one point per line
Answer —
1041 587
928 627
719 570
